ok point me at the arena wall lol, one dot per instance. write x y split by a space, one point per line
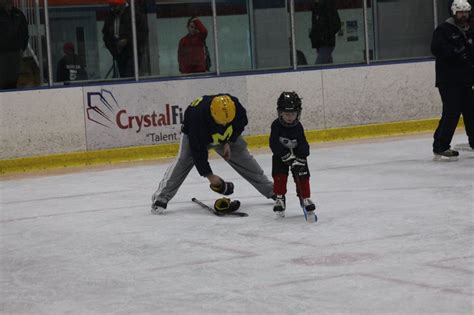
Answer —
90 118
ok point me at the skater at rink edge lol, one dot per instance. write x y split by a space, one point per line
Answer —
211 122
290 150
452 45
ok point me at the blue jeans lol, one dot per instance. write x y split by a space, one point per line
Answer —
324 54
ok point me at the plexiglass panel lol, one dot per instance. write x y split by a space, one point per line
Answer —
234 35
177 37
92 40
401 29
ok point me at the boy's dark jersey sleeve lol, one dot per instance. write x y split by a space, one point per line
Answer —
293 133
275 145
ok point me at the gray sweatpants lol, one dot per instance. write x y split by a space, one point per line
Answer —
241 161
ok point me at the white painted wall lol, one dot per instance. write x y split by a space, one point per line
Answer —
48 121
41 122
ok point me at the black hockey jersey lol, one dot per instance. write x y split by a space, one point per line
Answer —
281 137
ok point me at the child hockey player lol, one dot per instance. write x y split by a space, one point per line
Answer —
290 149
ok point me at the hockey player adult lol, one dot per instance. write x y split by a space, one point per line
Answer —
452 46
290 150
217 122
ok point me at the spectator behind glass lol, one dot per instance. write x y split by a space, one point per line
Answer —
13 41
70 67
118 37
191 51
325 24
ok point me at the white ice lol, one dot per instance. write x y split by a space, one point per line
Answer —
395 236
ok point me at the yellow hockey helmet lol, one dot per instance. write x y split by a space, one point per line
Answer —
222 109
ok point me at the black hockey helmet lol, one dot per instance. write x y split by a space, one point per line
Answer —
289 102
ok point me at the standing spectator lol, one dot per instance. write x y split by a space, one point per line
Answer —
70 67
118 37
325 24
217 122
13 41
452 46
191 49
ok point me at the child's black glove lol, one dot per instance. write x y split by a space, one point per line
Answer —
298 164
288 158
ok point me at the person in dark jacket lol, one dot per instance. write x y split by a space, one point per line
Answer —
290 150
191 48
217 122
325 24
118 37
70 67
13 41
452 46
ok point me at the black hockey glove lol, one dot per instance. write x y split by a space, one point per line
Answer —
298 164
225 205
288 158
299 167
225 188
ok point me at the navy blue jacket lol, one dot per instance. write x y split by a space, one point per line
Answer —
13 31
296 132
203 132
454 52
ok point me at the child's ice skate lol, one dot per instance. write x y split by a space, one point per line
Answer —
309 208
280 206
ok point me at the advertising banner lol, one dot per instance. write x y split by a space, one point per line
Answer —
124 115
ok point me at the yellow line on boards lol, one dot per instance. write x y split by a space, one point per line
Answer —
145 153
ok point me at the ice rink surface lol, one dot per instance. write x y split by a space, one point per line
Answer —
395 236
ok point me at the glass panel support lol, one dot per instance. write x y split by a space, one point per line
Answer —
292 31
40 42
48 43
366 34
214 27
134 39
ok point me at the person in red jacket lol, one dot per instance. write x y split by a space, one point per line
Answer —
191 51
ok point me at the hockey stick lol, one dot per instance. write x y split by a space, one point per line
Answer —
219 214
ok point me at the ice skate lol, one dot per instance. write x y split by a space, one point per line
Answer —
308 204
464 147
158 206
309 208
448 155
280 206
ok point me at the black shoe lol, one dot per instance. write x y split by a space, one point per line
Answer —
449 155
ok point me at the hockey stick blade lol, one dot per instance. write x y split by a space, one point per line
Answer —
219 214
